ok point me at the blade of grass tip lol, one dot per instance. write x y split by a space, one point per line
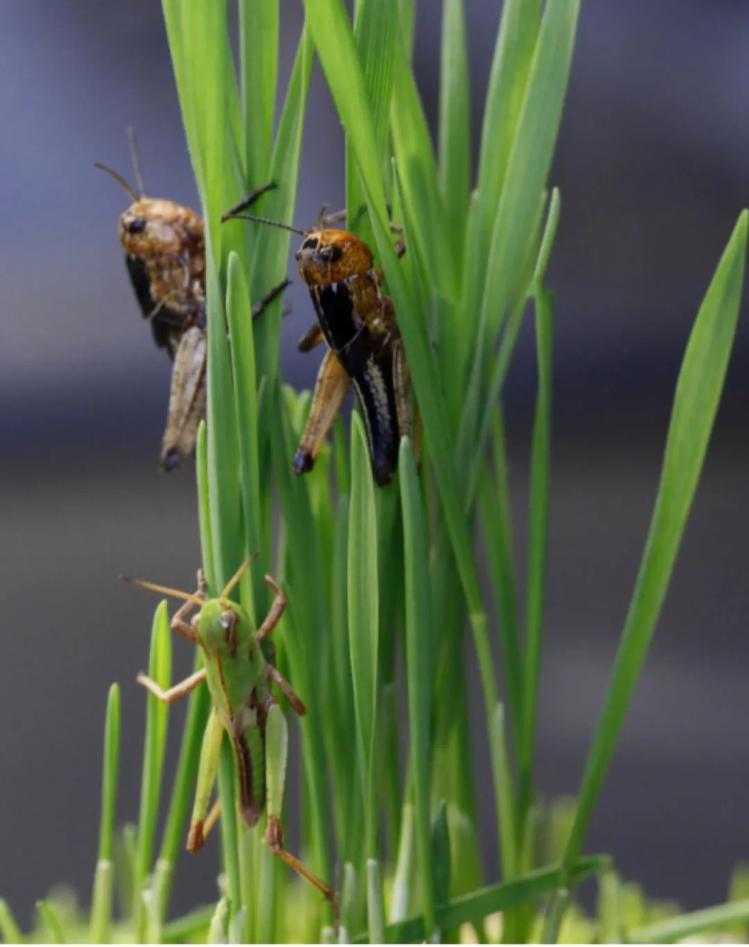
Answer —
698 392
9 929
157 716
609 914
375 906
101 902
363 616
472 908
51 921
689 925
455 121
375 30
530 160
204 510
419 644
496 525
538 530
242 350
258 72
218 927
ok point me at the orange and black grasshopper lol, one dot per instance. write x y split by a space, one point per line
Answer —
357 321
165 257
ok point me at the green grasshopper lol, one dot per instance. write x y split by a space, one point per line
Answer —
239 680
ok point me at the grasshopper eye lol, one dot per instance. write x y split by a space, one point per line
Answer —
227 619
311 243
136 226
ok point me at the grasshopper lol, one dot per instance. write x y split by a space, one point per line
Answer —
357 320
165 257
239 680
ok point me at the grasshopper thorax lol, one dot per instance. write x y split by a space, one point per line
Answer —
331 256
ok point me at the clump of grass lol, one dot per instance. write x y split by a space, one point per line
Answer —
379 577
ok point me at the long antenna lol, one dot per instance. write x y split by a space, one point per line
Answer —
135 159
238 575
230 215
118 178
163 590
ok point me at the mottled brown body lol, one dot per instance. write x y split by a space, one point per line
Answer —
357 321
165 255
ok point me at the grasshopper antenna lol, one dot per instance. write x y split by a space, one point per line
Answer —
135 159
237 576
119 179
233 215
163 590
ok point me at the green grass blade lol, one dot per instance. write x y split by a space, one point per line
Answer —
375 905
101 902
538 528
376 32
513 54
270 245
334 41
689 925
157 717
473 907
258 44
455 121
184 784
418 178
696 400
52 922
363 612
530 160
419 645
496 525
9 929
204 508
241 346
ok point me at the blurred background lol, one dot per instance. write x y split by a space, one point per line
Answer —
653 168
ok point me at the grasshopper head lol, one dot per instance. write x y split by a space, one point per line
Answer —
330 256
153 226
221 625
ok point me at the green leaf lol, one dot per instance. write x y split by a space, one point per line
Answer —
9 929
241 346
530 160
689 925
538 527
51 921
375 906
157 717
363 610
455 122
696 400
419 647
477 905
258 43
101 902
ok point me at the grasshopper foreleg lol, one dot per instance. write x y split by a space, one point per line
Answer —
275 677
175 693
